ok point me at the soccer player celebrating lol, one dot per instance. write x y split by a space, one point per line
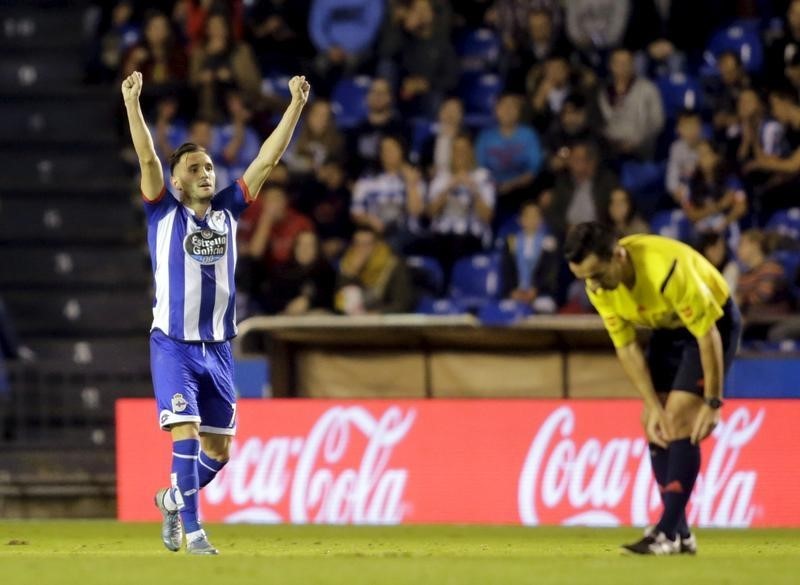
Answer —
192 241
664 285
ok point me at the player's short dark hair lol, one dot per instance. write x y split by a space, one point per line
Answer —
591 237
184 148
689 113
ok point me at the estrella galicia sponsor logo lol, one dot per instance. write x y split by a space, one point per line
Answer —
206 246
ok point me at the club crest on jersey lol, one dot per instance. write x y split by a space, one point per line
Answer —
179 403
206 246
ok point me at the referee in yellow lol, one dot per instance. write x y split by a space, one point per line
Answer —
664 285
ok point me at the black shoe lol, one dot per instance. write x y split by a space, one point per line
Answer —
653 544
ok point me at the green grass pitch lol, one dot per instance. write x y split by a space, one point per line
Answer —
95 552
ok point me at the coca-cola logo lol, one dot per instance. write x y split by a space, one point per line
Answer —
338 473
595 482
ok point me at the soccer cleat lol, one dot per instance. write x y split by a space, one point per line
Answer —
688 544
201 546
654 544
171 528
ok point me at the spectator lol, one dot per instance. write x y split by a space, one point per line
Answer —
436 151
460 207
583 194
169 131
343 32
382 120
724 96
713 199
762 287
713 246
221 64
548 89
269 226
305 283
193 15
421 58
755 134
596 25
512 154
541 42
372 279
778 175
530 262
391 202
158 56
113 44
683 152
572 126
512 18
317 141
782 52
621 215
631 108
239 143
327 202
279 33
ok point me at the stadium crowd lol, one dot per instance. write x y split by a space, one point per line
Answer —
449 146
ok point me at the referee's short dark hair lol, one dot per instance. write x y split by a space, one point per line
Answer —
184 148
591 237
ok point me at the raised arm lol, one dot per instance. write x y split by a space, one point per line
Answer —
152 175
274 146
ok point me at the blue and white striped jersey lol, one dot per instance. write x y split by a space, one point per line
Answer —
194 261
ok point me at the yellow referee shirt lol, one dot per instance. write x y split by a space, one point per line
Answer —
675 287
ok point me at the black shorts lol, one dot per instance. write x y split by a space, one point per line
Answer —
673 355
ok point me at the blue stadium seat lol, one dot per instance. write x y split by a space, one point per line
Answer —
430 306
348 100
276 85
475 280
506 312
679 92
421 130
480 92
672 224
790 260
741 37
426 273
478 50
645 182
786 222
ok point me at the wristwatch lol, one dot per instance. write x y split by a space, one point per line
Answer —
714 403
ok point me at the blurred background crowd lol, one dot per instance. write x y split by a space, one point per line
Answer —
448 146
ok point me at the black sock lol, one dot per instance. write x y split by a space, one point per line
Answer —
659 460
684 465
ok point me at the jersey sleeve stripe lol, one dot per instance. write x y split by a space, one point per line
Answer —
669 275
247 197
157 199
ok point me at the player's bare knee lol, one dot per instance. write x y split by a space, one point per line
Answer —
218 447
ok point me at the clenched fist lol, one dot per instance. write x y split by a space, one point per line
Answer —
132 87
299 88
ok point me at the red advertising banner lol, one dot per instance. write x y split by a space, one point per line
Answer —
467 461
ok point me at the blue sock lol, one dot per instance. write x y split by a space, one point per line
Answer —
207 469
684 465
184 465
659 459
